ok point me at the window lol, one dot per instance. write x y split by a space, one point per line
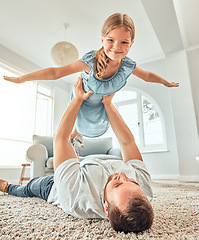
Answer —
143 117
26 109
153 132
44 110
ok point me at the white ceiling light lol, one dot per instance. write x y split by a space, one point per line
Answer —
63 53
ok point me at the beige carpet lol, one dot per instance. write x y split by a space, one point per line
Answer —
176 217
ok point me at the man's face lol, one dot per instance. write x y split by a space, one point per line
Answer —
119 189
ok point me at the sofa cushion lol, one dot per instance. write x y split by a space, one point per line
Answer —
95 146
46 141
115 152
49 162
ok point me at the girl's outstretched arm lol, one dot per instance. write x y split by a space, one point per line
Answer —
52 73
152 77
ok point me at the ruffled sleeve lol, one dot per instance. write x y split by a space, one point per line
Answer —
128 66
114 83
89 58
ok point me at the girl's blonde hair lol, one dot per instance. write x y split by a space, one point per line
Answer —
115 20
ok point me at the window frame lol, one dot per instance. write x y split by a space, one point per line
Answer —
138 100
52 99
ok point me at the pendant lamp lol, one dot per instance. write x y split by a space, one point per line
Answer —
64 53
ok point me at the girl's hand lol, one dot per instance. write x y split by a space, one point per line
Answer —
171 84
13 79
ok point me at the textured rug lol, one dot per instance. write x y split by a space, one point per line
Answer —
176 210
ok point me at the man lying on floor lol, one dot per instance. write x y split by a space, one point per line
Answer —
114 189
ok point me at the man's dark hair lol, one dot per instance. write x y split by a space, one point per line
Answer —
137 217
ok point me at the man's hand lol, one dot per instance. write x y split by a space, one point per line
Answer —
107 99
79 92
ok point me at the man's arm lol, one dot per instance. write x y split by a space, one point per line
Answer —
126 139
62 146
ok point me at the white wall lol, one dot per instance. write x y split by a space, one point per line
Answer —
184 116
174 38
193 63
177 106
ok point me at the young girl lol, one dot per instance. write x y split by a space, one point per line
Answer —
104 72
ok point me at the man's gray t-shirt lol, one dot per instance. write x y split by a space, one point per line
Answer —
79 186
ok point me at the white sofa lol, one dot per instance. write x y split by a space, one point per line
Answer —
40 154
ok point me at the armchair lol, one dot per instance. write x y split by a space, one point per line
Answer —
40 154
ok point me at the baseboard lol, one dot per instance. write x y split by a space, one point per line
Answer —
163 177
189 178
12 174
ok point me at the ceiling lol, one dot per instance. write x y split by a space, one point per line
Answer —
31 28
